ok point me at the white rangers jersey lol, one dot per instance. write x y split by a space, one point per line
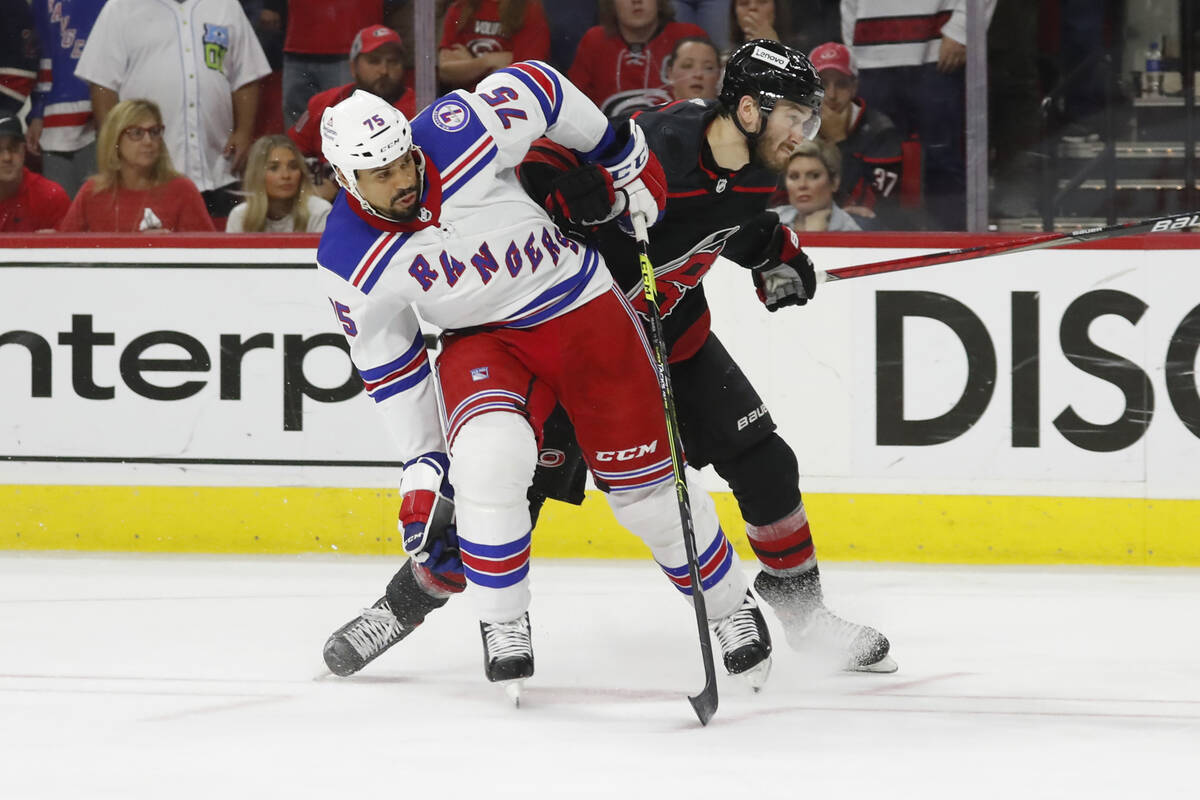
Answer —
481 253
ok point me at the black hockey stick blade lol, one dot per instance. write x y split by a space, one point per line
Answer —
1174 222
705 703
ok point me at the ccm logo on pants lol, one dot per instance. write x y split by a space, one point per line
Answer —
627 455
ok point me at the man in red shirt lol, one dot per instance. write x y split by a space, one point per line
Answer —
481 36
377 66
28 202
621 63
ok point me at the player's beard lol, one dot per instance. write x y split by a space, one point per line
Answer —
411 213
771 154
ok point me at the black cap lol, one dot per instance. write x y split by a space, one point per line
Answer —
11 126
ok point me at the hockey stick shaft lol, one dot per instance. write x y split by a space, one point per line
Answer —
1175 222
705 703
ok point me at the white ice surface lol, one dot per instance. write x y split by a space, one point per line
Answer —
194 677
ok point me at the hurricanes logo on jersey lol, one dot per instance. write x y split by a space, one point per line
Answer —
678 277
216 45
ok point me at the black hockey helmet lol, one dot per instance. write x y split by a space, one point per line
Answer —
771 71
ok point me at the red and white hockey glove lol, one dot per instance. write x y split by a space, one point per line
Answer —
426 524
636 174
783 274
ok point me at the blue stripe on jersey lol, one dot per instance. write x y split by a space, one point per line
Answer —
550 106
400 386
375 373
346 239
606 142
569 289
381 264
443 146
462 179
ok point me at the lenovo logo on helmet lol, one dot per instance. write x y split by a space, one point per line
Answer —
774 59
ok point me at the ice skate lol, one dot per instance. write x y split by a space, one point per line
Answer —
809 626
745 643
364 638
508 654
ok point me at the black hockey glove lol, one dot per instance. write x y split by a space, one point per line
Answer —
585 195
783 273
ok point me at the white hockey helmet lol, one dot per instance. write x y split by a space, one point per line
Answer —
363 132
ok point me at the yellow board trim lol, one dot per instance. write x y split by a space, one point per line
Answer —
938 529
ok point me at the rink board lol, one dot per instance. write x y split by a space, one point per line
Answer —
1034 408
960 529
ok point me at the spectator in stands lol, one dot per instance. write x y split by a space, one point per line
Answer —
28 202
480 36
568 21
621 63
377 65
136 188
60 119
757 19
811 180
711 15
868 140
18 55
911 68
319 34
279 194
694 69
200 61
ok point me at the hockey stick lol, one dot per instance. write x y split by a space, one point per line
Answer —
705 703
1175 222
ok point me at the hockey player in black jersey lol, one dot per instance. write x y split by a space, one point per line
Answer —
722 161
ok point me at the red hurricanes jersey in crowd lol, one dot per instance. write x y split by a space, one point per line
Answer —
38 204
618 76
482 33
306 133
321 27
177 204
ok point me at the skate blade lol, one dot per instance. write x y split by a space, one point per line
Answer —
512 690
885 665
756 676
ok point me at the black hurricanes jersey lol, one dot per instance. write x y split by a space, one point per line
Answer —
705 206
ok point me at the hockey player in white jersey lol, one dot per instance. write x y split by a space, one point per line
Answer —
433 220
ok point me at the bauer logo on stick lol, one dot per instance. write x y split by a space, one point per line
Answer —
1176 224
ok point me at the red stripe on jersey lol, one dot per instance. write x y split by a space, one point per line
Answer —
900 30
370 262
693 193
540 78
411 366
449 176
756 189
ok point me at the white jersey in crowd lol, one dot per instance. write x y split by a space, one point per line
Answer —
903 33
481 252
318 211
188 57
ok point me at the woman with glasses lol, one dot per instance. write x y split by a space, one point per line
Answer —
136 188
279 193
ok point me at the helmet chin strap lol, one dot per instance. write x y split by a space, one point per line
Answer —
753 137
